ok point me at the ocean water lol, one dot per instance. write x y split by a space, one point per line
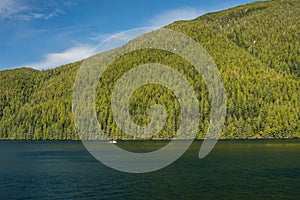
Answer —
235 169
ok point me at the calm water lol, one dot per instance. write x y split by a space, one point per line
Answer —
264 169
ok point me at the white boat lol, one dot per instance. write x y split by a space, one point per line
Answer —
112 142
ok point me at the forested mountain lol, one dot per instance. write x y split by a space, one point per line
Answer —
256 48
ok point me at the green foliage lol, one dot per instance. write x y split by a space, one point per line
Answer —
255 46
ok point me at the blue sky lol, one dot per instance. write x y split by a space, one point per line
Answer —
44 34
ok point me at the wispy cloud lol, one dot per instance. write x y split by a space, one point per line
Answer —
103 42
170 16
24 10
40 15
110 40
159 20
70 55
9 8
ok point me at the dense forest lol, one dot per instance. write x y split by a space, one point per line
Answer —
256 48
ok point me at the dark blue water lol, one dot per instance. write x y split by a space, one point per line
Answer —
241 169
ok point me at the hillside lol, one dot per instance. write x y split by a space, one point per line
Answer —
256 47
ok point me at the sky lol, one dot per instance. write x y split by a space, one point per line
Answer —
43 34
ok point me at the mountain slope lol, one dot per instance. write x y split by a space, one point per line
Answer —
268 30
255 47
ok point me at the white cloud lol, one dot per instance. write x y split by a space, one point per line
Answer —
9 8
37 15
155 22
23 10
82 51
70 55
109 40
170 16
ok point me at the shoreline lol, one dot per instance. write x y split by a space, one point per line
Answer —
158 139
